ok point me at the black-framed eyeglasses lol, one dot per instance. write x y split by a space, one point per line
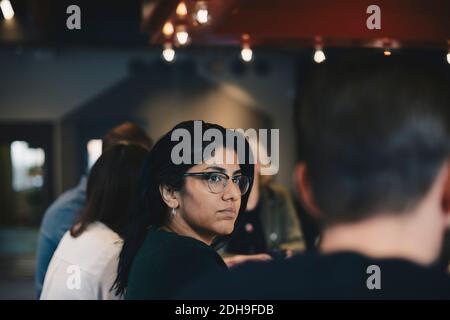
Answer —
218 181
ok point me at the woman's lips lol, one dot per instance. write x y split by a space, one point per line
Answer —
228 213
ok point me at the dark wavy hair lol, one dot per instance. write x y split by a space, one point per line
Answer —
159 169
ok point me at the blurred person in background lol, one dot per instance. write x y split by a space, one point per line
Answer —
84 265
62 214
270 227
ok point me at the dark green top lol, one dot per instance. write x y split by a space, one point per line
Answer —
166 262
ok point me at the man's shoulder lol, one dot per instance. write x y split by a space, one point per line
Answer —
70 201
61 214
71 197
345 275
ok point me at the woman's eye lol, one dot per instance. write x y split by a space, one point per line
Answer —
215 178
237 179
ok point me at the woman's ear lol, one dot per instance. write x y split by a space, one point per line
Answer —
169 196
305 191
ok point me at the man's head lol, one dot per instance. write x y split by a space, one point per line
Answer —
126 133
375 134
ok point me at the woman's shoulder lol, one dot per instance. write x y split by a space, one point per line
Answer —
162 254
167 248
97 235
161 239
92 248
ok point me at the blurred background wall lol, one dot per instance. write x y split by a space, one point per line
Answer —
81 93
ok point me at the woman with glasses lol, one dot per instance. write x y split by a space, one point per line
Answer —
182 209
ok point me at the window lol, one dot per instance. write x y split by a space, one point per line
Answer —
94 149
27 166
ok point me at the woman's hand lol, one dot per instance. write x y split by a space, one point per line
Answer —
240 258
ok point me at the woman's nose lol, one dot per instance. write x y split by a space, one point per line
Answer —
231 191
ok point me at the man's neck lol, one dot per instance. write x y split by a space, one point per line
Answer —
386 236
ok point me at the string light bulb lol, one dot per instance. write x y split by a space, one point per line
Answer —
448 51
181 10
246 53
168 52
388 44
201 14
168 29
7 10
319 55
181 35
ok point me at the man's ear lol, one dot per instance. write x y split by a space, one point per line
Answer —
305 191
169 196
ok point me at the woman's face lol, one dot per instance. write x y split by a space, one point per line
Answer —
207 211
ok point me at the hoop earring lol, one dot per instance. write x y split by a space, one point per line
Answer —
174 212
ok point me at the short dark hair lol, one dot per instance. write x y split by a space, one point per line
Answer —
126 132
375 132
110 188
